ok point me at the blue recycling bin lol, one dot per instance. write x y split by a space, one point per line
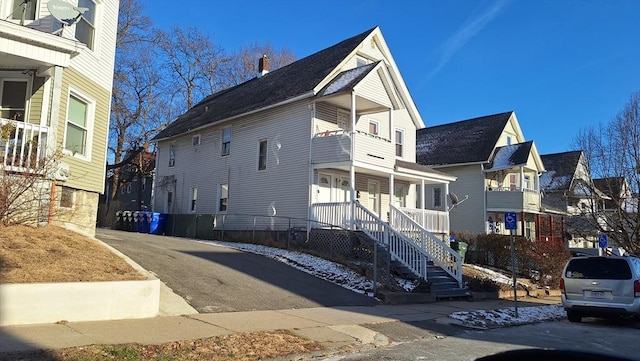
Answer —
157 223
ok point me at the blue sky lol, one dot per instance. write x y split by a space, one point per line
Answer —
560 65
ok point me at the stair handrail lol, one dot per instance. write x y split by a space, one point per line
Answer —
439 252
401 248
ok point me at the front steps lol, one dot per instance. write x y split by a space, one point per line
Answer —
440 284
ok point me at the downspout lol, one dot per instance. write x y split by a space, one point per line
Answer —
52 140
391 195
352 169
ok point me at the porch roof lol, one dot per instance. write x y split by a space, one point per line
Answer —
415 170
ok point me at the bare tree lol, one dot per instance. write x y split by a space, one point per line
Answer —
194 62
612 152
243 65
136 93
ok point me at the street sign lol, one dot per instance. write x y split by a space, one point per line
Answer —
510 220
603 241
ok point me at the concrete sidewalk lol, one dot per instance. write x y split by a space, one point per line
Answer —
335 327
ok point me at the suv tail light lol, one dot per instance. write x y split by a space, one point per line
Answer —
562 285
636 288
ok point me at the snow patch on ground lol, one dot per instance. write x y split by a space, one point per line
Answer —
507 316
347 278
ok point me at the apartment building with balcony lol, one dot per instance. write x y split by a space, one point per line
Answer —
55 96
497 171
328 140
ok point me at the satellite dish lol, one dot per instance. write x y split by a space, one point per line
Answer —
455 200
64 12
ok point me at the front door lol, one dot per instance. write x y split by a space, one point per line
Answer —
344 190
324 188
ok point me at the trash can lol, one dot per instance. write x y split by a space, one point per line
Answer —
119 225
127 221
462 249
156 225
137 220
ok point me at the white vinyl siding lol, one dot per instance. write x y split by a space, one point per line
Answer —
247 186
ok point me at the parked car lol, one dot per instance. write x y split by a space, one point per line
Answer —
601 287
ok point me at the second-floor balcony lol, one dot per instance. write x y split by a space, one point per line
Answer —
335 147
22 146
513 199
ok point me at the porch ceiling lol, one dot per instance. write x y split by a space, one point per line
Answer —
363 105
23 48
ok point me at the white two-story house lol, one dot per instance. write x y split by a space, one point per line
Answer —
497 170
55 96
328 139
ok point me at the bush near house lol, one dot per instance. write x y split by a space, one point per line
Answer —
539 260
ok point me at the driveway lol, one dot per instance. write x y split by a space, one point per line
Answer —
219 279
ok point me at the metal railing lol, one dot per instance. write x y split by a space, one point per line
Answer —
22 145
439 252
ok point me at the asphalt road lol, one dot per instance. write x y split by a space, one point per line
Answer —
428 340
218 279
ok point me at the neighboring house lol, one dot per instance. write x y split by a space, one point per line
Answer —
136 184
618 193
567 186
497 171
55 95
329 138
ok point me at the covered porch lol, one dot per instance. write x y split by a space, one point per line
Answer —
31 64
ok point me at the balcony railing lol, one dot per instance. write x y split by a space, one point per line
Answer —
335 146
22 145
516 199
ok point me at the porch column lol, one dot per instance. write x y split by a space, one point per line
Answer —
446 207
422 194
56 98
392 191
352 169
522 179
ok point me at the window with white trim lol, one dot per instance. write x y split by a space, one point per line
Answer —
437 197
28 8
195 140
80 113
86 25
262 155
224 197
400 196
373 127
399 142
226 141
172 155
194 198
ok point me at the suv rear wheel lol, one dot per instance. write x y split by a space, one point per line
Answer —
574 316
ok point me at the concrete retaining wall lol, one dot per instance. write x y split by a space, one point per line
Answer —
78 301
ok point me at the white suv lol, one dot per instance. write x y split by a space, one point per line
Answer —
601 287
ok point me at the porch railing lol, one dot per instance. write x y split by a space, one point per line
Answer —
432 221
401 248
439 252
22 145
335 214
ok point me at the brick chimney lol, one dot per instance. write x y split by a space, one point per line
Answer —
263 66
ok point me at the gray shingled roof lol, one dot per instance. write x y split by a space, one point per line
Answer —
561 168
466 141
288 82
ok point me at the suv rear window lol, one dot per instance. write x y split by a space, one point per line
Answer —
598 268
